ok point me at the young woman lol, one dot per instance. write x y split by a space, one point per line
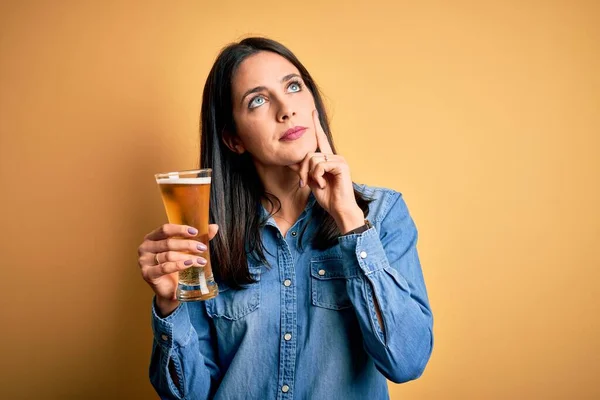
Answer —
321 290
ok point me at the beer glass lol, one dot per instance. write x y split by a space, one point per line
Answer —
186 196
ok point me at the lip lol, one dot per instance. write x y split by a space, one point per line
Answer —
293 133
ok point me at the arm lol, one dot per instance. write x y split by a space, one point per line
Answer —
183 364
389 293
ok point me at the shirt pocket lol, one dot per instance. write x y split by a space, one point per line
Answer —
234 304
328 284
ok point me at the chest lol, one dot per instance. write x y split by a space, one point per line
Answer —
296 279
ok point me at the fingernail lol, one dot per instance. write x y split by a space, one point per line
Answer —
189 262
202 247
193 231
201 261
301 183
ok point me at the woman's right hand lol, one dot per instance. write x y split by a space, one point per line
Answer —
166 251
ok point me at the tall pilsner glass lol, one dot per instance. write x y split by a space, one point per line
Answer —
186 196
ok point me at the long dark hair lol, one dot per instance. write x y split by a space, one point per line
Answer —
237 192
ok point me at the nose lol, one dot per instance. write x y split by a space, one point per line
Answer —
285 111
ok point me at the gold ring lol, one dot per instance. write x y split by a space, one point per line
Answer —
156 259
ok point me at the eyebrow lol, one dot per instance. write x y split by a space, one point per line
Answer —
261 88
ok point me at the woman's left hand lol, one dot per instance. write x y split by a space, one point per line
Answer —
328 176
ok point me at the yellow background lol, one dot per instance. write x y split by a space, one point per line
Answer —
484 114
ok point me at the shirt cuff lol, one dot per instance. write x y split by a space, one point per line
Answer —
174 330
366 248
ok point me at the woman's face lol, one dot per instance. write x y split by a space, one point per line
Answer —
270 98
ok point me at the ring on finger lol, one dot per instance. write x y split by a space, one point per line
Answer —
156 259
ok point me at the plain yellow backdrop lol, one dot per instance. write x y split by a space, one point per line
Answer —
484 114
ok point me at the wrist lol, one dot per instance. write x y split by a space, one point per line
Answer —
349 220
164 307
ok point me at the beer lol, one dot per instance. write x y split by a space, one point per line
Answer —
186 196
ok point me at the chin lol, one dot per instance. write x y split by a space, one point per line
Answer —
298 152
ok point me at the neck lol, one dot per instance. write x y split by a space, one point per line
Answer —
283 183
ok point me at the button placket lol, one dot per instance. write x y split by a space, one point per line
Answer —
289 319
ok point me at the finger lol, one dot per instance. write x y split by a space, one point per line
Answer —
174 256
317 174
322 140
310 160
151 259
212 231
172 244
157 271
305 168
320 158
169 230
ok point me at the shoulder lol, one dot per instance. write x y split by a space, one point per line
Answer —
382 201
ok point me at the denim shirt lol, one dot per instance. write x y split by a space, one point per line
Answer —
307 329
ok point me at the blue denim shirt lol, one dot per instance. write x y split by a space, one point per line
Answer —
307 329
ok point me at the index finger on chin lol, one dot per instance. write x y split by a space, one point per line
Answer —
322 140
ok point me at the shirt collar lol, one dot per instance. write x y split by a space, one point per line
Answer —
309 205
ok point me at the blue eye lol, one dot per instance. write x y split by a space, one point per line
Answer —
295 87
256 102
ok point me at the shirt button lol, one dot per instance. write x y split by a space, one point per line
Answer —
164 337
287 282
294 233
321 272
363 254
285 388
288 336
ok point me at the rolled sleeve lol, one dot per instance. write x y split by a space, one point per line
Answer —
391 283
178 349
174 330
368 251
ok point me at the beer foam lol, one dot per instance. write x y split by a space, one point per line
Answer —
183 181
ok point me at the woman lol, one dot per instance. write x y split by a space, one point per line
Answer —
321 290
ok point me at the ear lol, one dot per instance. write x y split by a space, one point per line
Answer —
233 142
